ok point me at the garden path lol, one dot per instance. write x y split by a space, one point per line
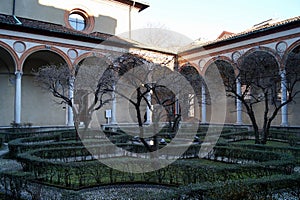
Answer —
8 164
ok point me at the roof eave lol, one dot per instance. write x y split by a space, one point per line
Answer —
137 4
235 39
79 37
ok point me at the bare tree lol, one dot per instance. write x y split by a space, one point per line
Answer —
60 80
85 86
262 85
136 79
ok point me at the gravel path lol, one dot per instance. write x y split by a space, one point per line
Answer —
3 150
124 192
115 192
8 164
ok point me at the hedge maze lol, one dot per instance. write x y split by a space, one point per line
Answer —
258 171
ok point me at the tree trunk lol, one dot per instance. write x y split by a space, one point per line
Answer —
265 130
255 126
76 123
141 128
265 133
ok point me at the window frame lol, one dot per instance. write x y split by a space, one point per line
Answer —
89 21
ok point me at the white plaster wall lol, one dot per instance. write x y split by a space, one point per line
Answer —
39 107
110 17
7 93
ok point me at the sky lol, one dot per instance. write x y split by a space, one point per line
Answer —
206 19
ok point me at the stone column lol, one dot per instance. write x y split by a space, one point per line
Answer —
148 110
71 96
177 106
114 107
18 86
203 103
239 119
284 109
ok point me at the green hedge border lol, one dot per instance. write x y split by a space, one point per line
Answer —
9 136
261 188
50 165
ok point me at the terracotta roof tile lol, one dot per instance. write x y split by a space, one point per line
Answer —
253 30
47 26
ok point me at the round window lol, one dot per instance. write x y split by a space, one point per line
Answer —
77 21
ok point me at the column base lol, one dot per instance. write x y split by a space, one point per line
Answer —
147 123
239 123
70 124
284 125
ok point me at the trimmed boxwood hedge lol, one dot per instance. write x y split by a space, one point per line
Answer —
63 166
252 188
69 164
25 144
1 140
40 140
237 136
15 135
258 188
294 151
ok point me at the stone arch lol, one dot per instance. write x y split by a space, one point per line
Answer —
88 55
45 48
228 78
268 50
269 59
188 64
224 58
193 76
8 66
90 65
291 65
12 54
39 107
259 68
292 47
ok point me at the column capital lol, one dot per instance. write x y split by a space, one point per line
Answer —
18 73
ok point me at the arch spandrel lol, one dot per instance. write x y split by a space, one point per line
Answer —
43 48
87 55
190 65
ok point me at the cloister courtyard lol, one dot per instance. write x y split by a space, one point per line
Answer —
91 109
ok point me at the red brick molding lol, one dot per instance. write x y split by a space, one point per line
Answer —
89 19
